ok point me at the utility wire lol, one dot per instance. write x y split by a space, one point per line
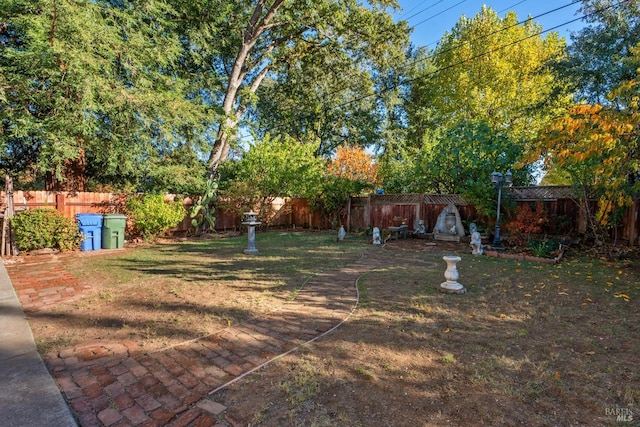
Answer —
480 55
409 64
439 13
513 5
434 42
509 27
419 12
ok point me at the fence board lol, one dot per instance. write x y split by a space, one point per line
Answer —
373 211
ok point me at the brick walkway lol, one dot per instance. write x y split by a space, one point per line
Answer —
42 280
119 385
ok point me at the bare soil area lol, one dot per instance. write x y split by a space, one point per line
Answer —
529 343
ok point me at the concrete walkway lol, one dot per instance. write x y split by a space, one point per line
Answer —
119 385
28 394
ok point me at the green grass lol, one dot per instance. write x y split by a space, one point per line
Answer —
169 292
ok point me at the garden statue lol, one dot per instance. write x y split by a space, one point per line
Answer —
420 229
476 240
376 236
341 234
476 243
449 225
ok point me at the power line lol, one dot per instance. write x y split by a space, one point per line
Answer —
507 28
480 55
409 64
513 5
519 22
424 10
417 6
439 13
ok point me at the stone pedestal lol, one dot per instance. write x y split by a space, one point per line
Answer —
251 224
451 286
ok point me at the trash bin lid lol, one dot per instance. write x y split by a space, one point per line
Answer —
115 216
93 219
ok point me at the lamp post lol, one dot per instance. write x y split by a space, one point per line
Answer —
498 180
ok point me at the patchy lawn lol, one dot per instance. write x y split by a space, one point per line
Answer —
528 344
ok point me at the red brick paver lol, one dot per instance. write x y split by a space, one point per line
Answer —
41 281
116 384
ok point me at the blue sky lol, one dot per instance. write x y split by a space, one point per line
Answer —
431 19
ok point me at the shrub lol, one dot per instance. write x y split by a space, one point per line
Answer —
45 228
152 215
527 221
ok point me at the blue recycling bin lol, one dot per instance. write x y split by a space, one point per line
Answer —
90 225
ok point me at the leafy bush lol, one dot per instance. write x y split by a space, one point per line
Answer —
528 221
152 215
544 248
45 228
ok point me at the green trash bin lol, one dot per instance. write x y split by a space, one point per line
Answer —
113 226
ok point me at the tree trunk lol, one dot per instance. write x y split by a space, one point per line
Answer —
233 112
74 176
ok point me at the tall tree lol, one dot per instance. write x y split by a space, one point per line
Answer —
599 147
264 37
477 102
596 59
92 82
494 70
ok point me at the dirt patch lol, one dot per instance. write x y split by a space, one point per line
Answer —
527 344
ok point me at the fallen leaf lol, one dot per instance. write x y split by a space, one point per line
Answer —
622 295
446 331
502 315
470 316
556 375
562 293
527 295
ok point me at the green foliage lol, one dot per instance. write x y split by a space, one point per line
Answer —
201 213
178 172
596 61
333 196
152 215
45 228
112 96
280 166
507 88
474 107
543 248
460 161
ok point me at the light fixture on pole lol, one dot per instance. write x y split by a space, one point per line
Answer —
498 181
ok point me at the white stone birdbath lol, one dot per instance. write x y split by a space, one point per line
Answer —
451 275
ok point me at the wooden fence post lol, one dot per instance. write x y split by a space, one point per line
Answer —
8 242
632 221
349 215
60 203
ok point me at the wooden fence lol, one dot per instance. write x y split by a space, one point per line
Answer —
361 213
